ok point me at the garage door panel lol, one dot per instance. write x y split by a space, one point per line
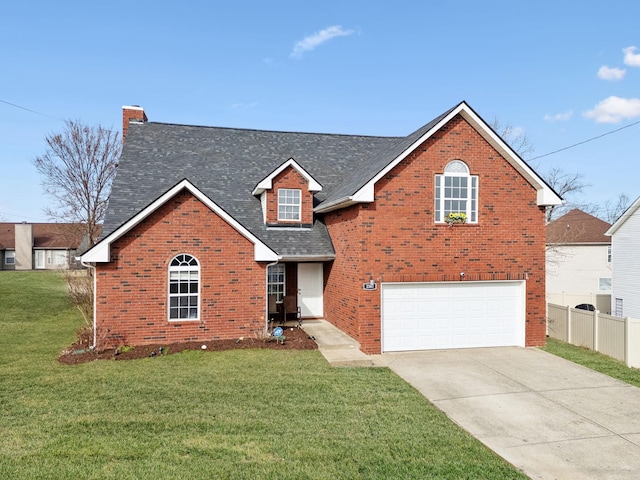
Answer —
418 316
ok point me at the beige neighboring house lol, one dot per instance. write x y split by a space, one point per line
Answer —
40 246
579 261
625 241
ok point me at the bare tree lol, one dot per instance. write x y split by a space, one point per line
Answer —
77 170
613 210
565 185
514 136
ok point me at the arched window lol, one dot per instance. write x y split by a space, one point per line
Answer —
184 288
456 192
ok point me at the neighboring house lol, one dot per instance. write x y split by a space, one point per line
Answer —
39 246
579 261
625 263
207 228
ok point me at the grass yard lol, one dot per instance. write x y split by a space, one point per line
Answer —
241 414
594 360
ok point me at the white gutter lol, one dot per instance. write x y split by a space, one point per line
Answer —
95 333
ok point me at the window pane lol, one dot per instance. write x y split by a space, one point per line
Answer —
456 191
184 276
289 204
604 284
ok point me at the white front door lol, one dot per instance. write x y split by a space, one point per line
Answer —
310 290
39 258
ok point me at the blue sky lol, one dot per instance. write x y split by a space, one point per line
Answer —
561 73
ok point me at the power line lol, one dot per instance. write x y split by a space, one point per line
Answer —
29 110
22 217
585 141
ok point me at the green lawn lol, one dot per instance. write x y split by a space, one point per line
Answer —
594 360
239 414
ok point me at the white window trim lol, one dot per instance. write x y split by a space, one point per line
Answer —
619 310
9 255
605 280
281 203
183 268
279 267
456 168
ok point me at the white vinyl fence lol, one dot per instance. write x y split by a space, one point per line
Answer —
614 336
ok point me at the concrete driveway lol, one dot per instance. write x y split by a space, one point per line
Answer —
547 416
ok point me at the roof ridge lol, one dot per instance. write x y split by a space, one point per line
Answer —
290 132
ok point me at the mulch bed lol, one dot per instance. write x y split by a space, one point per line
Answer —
296 339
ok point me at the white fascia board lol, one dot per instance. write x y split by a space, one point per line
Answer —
100 253
367 192
623 218
545 195
335 205
267 182
308 258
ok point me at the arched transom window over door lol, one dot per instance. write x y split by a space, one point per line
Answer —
184 288
456 191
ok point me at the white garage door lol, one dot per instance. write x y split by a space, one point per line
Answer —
427 316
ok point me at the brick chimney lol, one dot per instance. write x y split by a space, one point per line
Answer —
132 113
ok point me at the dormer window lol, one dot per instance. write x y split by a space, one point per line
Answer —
289 204
286 196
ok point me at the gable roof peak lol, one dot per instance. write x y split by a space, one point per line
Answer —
577 226
267 182
624 217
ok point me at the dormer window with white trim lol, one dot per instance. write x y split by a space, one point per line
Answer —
289 204
456 191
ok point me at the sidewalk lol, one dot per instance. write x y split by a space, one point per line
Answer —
338 348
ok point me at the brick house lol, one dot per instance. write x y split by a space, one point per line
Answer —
210 230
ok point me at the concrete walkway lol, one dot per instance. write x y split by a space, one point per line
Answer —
338 348
549 417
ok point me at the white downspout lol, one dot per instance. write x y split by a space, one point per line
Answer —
95 333
266 287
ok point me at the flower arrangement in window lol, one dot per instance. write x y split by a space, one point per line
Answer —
456 217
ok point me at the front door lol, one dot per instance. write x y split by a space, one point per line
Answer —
39 258
310 290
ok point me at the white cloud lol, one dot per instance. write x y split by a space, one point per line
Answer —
559 117
611 73
631 58
614 109
312 41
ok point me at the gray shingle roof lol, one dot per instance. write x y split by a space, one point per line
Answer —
226 164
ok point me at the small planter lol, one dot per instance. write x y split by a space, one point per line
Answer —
456 218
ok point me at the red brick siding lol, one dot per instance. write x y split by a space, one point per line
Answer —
396 237
132 288
290 178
